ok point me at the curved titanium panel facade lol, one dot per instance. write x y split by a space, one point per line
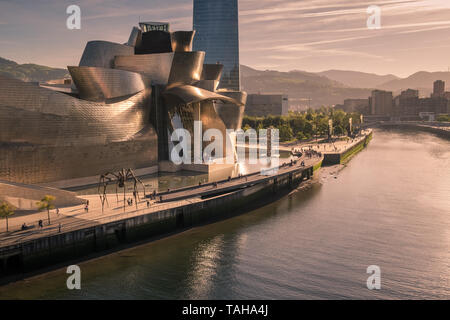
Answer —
217 25
155 66
43 163
232 114
100 84
182 41
35 115
101 53
210 85
212 71
240 96
47 136
184 115
135 38
186 67
190 94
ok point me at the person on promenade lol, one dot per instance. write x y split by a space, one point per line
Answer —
148 204
59 228
57 211
86 207
40 224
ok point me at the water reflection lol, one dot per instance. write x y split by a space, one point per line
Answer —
388 207
163 180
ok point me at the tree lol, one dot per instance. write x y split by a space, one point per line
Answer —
285 133
6 210
46 203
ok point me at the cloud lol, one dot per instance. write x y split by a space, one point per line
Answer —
289 34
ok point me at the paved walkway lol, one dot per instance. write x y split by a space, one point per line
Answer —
73 218
327 147
232 184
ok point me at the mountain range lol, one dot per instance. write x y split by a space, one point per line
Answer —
422 81
303 88
334 86
30 72
357 79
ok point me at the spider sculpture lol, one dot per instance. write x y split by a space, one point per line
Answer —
120 178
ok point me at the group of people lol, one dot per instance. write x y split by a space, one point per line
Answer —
40 224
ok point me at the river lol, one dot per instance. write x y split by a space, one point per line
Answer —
390 207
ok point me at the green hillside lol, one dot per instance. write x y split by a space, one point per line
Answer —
303 88
30 72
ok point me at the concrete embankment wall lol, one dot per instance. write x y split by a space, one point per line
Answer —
344 156
58 248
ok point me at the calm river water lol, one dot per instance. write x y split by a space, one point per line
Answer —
389 207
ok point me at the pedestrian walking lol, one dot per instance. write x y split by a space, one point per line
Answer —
148 204
40 224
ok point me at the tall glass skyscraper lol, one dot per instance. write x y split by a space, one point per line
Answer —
216 24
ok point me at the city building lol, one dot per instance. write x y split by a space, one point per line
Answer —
406 106
381 102
437 105
407 103
438 89
260 105
126 101
217 33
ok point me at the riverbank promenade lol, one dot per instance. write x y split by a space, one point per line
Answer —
76 217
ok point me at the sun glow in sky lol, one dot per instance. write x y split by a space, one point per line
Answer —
310 35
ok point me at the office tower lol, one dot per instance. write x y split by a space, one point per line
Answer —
381 102
216 24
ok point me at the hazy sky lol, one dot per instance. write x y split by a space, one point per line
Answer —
310 35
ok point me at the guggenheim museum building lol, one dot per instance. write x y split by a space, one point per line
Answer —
124 104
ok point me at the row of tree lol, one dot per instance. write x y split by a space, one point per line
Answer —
7 210
443 118
305 125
